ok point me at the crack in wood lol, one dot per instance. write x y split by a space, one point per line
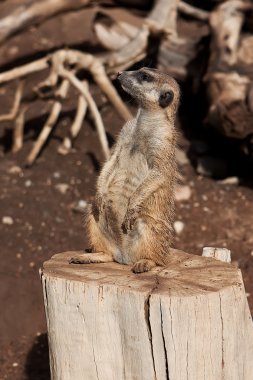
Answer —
172 336
147 319
95 361
164 345
222 337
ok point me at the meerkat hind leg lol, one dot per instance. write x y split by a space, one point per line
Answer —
91 258
143 265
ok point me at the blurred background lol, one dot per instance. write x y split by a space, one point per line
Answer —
58 94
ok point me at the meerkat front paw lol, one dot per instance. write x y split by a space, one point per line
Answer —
143 265
129 220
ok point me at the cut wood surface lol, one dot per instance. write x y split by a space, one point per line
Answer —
189 320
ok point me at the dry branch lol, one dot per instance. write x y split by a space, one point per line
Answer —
22 71
57 61
192 11
82 61
52 118
135 48
18 135
76 125
16 104
127 44
34 13
93 108
112 34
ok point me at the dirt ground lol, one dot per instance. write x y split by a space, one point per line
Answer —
41 202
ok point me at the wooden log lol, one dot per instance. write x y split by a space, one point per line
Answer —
175 55
229 79
222 254
188 321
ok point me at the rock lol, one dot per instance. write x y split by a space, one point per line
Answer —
182 193
28 183
82 203
56 175
181 157
15 170
63 150
230 181
212 167
62 187
80 206
178 227
7 220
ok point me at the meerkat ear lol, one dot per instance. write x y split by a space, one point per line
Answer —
165 98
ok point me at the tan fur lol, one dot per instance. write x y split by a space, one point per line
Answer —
135 190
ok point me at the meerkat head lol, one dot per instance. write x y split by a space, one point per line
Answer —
151 88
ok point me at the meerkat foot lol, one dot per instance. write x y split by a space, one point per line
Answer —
91 258
143 265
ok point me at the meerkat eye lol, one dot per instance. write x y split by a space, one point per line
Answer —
144 77
165 98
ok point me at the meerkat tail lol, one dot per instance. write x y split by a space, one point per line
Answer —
91 258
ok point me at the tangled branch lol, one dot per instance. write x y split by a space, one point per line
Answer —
126 45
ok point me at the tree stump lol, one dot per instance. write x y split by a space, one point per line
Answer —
188 321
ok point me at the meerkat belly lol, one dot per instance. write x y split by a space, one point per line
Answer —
128 175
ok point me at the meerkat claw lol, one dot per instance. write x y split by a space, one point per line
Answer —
129 220
143 265
127 226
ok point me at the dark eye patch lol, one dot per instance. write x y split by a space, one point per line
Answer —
165 98
144 77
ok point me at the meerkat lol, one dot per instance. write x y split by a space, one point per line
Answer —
131 221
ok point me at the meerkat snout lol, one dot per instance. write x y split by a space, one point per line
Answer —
151 88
